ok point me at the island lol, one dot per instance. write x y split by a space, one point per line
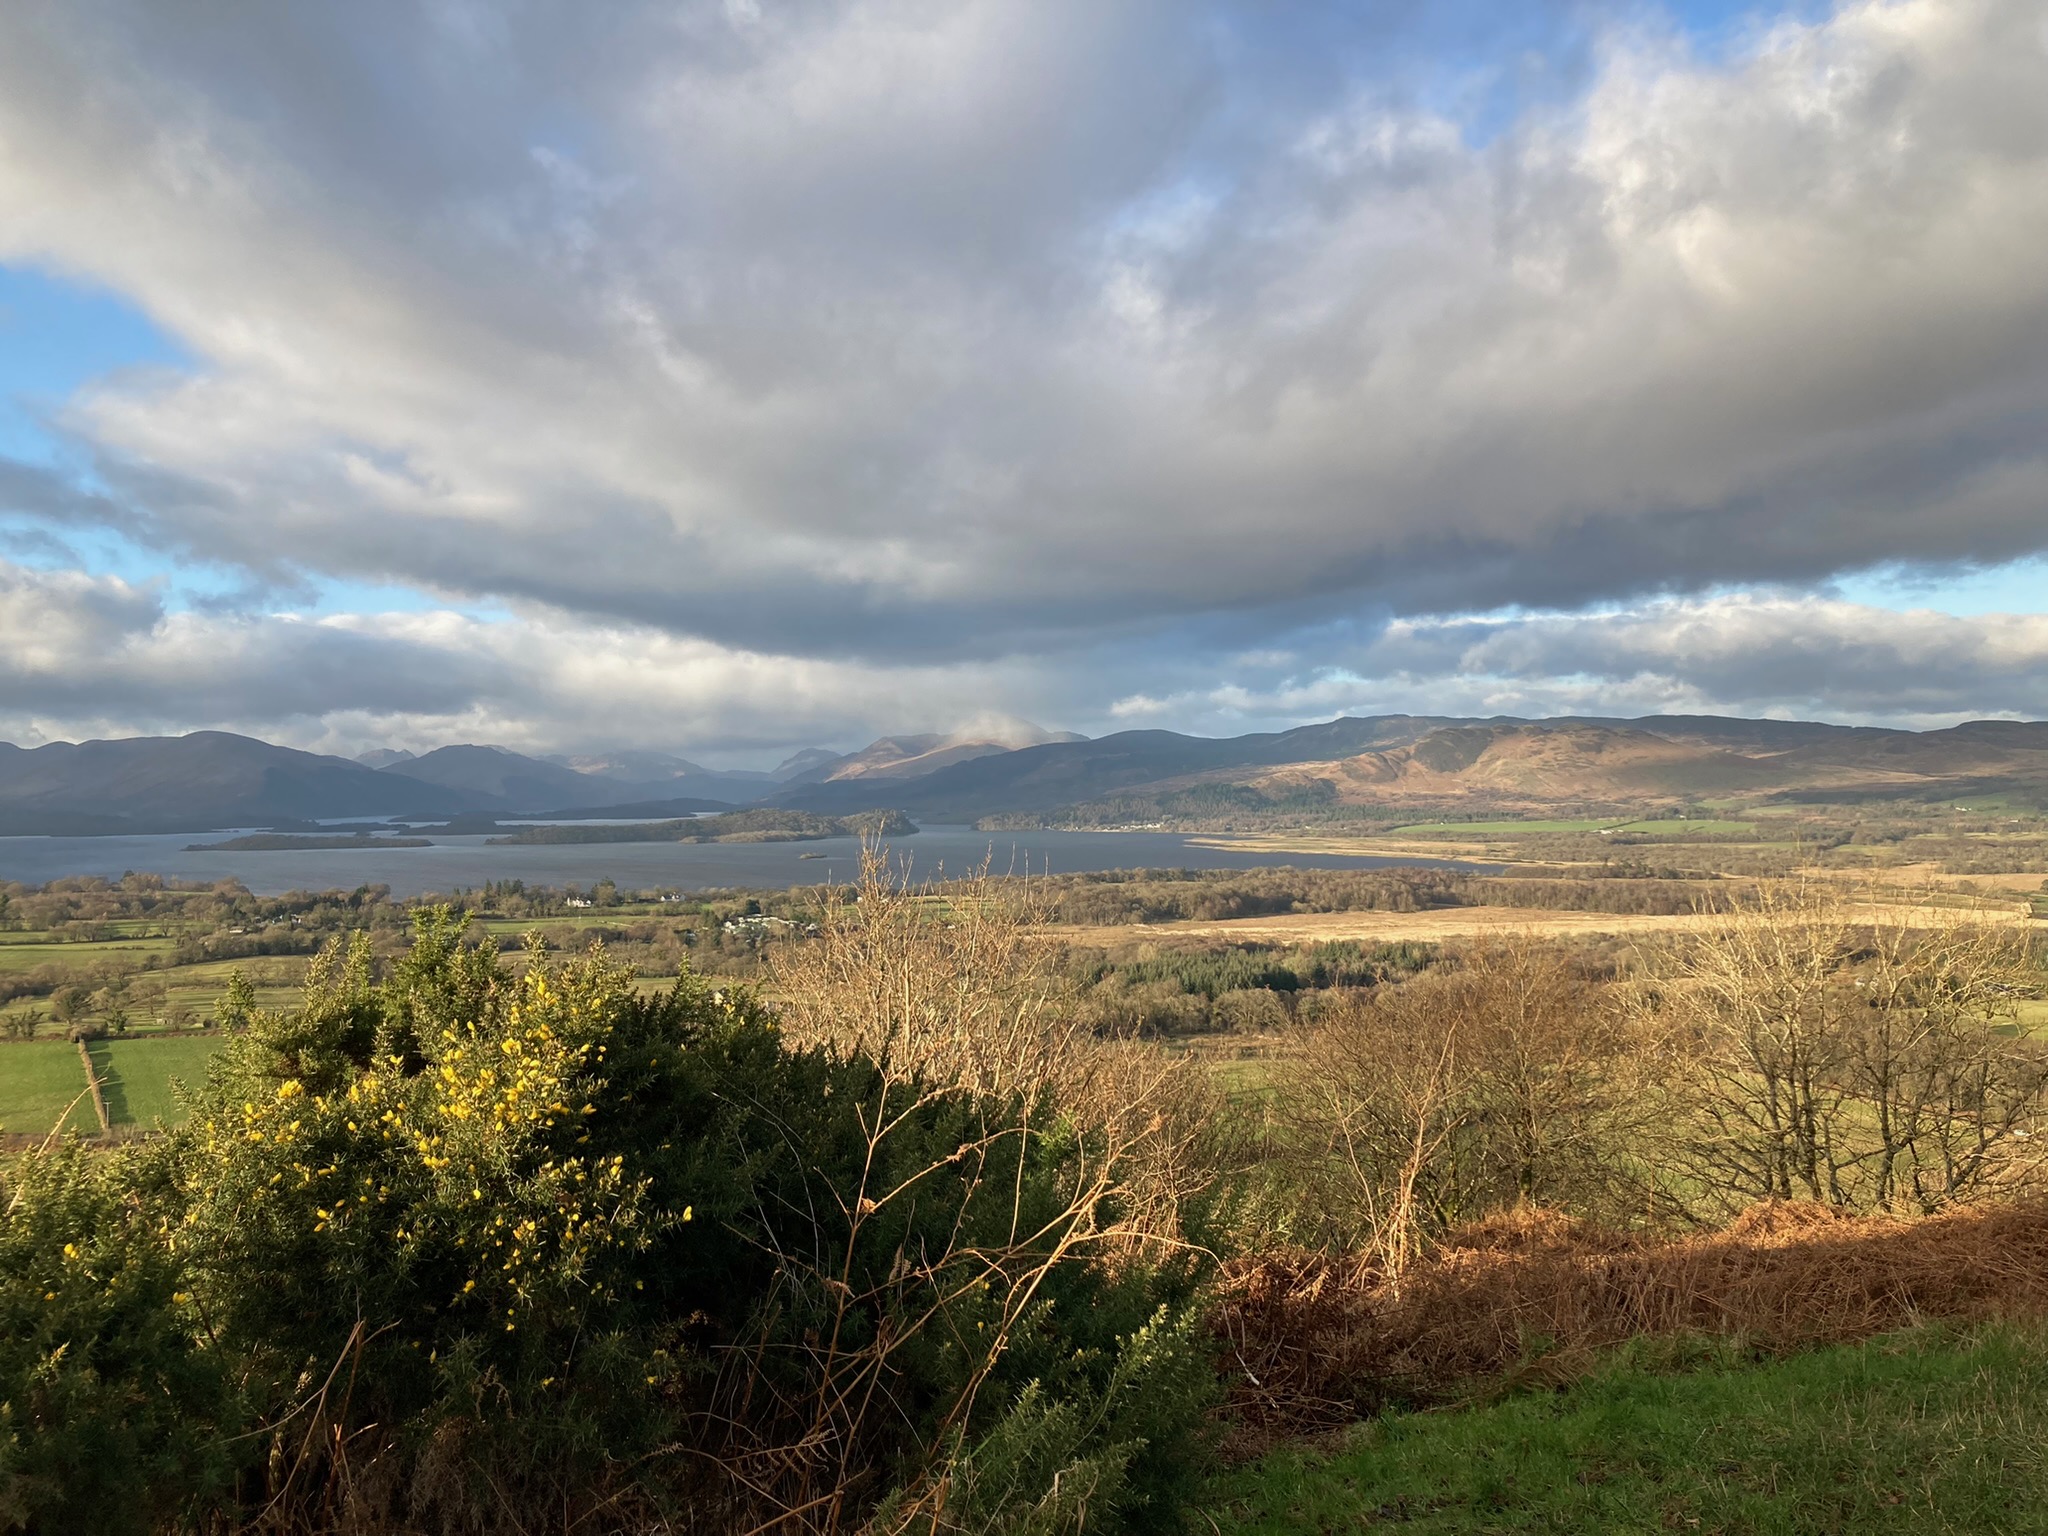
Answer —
289 842
757 826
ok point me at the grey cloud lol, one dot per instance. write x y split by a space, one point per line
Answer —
909 332
1746 654
85 656
42 494
76 647
82 656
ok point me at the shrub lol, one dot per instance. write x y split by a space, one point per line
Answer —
1864 1056
486 1236
1505 1080
109 1408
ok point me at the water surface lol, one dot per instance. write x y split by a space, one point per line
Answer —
468 861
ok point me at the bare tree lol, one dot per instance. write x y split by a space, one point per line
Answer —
1506 1080
944 989
1863 1055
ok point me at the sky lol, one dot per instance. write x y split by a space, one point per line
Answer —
724 377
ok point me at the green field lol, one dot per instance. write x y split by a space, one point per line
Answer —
26 957
37 1079
137 1075
1923 1432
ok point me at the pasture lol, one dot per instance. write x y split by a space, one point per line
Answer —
38 1079
139 1076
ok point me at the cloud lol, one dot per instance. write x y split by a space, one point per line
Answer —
973 340
83 656
1744 654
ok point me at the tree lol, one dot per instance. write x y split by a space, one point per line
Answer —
1867 1057
1508 1079
237 1006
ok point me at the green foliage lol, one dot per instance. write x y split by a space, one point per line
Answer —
1086 1459
481 1231
237 1006
102 1380
1106 899
1246 967
1921 1432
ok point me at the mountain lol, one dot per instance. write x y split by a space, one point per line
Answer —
1067 772
207 780
383 757
1522 765
212 779
495 777
911 757
1410 760
635 767
801 763
499 779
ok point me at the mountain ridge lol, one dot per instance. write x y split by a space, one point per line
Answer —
211 780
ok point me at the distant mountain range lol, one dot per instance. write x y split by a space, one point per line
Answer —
193 783
211 780
912 757
1417 762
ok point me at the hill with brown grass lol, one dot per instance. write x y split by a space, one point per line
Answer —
1526 765
1551 765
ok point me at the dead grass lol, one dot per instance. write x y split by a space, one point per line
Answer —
1903 905
1317 1340
1439 923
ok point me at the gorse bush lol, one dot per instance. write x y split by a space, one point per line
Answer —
102 1372
484 1246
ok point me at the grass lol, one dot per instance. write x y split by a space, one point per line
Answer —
137 1075
1675 830
1245 1076
26 957
1923 1432
2031 1016
1665 828
37 1079
1684 829
1482 828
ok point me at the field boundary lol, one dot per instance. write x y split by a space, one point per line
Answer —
92 1083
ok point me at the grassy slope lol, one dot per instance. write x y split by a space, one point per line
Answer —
1676 830
1923 1432
138 1075
1456 828
26 957
37 1079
